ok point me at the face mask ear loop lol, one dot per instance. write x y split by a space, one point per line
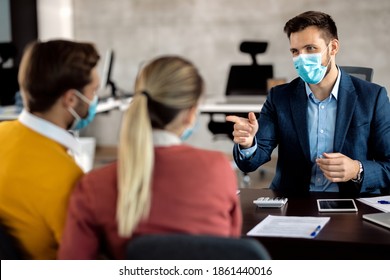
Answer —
74 114
82 97
330 57
76 118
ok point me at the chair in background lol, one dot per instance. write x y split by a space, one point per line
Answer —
194 247
364 73
247 80
243 81
8 74
251 79
10 248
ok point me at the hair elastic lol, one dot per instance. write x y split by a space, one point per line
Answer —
144 92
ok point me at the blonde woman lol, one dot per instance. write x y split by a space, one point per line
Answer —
159 184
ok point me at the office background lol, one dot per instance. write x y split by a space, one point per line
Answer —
208 33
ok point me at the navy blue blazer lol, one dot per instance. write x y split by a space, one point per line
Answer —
362 133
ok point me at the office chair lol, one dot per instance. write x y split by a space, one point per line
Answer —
244 80
10 249
194 247
249 79
364 73
8 75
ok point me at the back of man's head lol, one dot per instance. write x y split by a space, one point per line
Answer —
49 69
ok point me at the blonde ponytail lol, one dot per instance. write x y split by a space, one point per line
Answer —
135 166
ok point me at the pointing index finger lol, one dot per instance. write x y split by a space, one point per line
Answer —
233 119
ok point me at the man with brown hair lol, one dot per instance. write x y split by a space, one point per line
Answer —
332 129
58 81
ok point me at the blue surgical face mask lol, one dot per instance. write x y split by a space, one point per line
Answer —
309 67
189 130
79 122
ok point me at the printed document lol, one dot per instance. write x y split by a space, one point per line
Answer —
289 226
375 202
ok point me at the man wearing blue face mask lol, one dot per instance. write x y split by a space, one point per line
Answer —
80 123
332 130
58 80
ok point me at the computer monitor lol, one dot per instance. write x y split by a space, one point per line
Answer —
106 79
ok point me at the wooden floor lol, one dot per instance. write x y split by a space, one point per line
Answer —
260 178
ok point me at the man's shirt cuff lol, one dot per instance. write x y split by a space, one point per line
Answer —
247 153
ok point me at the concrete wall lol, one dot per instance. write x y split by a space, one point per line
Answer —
5 21
209 31
55 19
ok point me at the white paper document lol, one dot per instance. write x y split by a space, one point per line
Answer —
289 226
379 202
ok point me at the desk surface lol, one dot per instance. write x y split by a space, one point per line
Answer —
346 235
211 106
222 108
232 105
8 113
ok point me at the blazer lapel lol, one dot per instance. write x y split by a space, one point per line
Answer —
345 107
298 103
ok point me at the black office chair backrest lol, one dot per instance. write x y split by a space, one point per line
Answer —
364 73
195 247
249 79
9 86
8 75
10 248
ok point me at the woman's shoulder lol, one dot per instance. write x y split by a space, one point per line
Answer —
103 170
98 189
206 153
101 176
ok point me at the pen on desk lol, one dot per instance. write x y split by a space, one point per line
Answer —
316 231
383 202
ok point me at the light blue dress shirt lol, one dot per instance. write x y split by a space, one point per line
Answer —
321 120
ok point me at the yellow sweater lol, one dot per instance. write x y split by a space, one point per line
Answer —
36 178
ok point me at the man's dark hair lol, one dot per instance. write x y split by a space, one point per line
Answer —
49 69
322 21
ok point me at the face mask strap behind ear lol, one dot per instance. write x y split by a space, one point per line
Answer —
83 97
330 57
72 111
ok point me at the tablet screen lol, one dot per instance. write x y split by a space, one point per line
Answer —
336 205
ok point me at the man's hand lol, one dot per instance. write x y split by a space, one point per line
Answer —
338 167
244 129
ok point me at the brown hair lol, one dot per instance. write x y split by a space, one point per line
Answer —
48 69
312 18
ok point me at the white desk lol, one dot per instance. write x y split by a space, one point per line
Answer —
112 104
221 108
210 106
232 104
8 113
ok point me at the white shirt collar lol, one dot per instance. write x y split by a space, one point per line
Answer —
163 138
51 131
